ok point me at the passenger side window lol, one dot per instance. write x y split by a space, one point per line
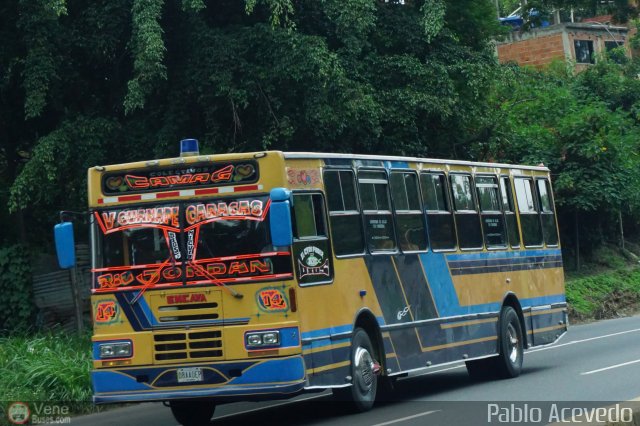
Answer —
311 248
440 226
308 216
529 218
509 212
466 215
491 212
376 208
344 213
547 214
409 217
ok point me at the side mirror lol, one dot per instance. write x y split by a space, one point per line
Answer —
280 217
65 245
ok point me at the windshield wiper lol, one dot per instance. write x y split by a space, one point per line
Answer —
155 277
215 280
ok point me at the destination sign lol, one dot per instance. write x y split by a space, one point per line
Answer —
179 177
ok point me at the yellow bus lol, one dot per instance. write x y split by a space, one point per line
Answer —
261 275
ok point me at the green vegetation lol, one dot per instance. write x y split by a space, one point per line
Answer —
607 287
87 83
46 367
16 305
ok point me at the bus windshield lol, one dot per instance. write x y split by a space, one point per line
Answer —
199 242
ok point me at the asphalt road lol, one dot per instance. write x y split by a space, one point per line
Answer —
593 365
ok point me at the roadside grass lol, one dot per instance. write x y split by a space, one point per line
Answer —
604 295
52 367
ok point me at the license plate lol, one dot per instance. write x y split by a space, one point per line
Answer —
186 375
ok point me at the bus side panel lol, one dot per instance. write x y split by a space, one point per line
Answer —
547 325
405 286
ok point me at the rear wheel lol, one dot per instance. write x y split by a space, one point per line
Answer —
509 361
362 394
193 413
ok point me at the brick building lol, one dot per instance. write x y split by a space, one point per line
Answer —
580 42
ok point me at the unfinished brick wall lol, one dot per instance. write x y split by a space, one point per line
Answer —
536 52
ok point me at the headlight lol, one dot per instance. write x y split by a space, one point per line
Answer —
116 350
271 338
260 339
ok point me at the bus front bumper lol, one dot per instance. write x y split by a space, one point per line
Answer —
247 379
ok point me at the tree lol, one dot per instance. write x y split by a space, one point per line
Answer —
124 80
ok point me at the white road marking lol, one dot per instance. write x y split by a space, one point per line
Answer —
390 422
635 330
610 367
253 410
573 342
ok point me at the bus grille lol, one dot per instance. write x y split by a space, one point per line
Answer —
187 346
204 306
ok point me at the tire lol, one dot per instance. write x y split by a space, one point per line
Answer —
361 395
192 413
511 345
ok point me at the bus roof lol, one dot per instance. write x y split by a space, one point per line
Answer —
177 161
318 155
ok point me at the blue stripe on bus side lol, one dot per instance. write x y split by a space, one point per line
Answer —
444 295
502 254
446 299
326 332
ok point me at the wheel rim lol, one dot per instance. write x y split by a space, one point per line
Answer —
513 347
364 376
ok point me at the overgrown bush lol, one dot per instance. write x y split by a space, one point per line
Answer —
16 304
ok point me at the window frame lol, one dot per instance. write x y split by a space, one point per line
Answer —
514 211
325 220
592 51
467 212
327 238
492 212
536 205
449 211
363 212
409 211
358 212
553 213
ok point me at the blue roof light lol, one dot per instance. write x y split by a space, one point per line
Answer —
189 147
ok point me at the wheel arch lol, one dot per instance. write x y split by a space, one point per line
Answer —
510 299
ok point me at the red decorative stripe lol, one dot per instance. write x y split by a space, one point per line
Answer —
168 194
130 198
246 188
206 191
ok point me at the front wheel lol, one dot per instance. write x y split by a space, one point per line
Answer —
192 413
361 395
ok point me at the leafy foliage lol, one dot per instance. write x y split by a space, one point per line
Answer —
16 307
148 50
418 78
